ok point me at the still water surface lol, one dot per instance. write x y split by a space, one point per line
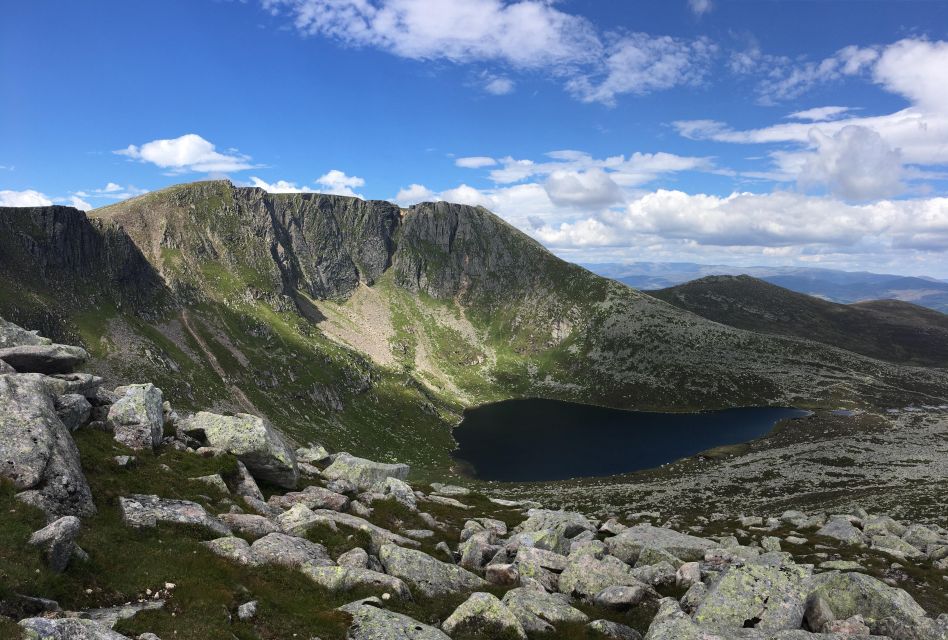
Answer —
534 439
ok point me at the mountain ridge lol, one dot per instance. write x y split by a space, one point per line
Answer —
349 318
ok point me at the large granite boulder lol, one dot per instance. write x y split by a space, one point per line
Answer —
37 453
290 551
850 594
586 576
484 616
539 611
840 528
755 596
13 335
629 543
44 358
137 417
73 410
67 629
426 575
371 622
140 511
364 474
253 440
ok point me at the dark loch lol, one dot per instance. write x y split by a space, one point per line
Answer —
534 439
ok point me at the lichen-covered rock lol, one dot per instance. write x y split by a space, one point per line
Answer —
896 546
671 623
313 497
586 576
364 474
398 490
148 510
548 539
73 409
249 525
484 616
881 525
232 548
340 579
37 453
478 550
920 537
67 629
505 575
356 558
755 596
850 594
841 529
137 416
371 622
567 524
539 611
623 597
13 335
629 543
245 485
290 551
253 441
44 358
299 519
379 536
313 454
613 630
426 575
58 541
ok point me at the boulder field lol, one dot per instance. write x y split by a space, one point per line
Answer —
509 569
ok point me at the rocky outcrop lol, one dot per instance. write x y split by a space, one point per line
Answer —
363 474
148 510
44 358
371 622
253 440
426 575
136 417
482 615
37 452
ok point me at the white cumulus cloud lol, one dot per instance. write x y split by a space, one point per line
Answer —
25 198
338 183
854 163
589 189
187 153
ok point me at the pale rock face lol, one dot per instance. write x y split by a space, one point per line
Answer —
148 510
426 575
538 611
364 474
37 454
253 441
371 622
137 417
290 551
340 579
850 594
841 529
483 615
629 544
767 598
44 358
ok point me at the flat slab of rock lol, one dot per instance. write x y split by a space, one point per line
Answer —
37 453
44 358
67 629
850 594
149 510
313 497
586 576
340 579
290 551
629 543
137 417
13 335
426 575
371 622
364 474
253 440
842 530
379 535
248 524
483 616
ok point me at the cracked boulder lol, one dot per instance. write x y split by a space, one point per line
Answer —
137 417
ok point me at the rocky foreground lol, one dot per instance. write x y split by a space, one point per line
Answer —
124 519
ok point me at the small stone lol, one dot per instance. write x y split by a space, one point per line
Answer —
247 611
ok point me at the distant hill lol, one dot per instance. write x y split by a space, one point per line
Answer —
889 330
831 284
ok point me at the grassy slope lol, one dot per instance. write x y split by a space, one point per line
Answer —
889 330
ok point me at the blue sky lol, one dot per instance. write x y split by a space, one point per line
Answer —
719 131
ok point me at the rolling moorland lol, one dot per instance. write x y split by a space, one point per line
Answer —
368 329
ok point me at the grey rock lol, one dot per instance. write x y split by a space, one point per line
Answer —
371 622
13 335
44 358
425 574
671 623
566 524
58 541
398 490
920 537
37 453
148 510
505 575
586 576
313 454
478 550
214 480
623 597
73 409
850 594
246 486
137 417
341 579
882 525
896 546
841 529
693 597
249 525
482 615
235 549
66 629
817 613
364 474
539 612
449 490
627 545
247 611
290 551
356 558
378 535
299 519
761 597
253 441
613 630
313 497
